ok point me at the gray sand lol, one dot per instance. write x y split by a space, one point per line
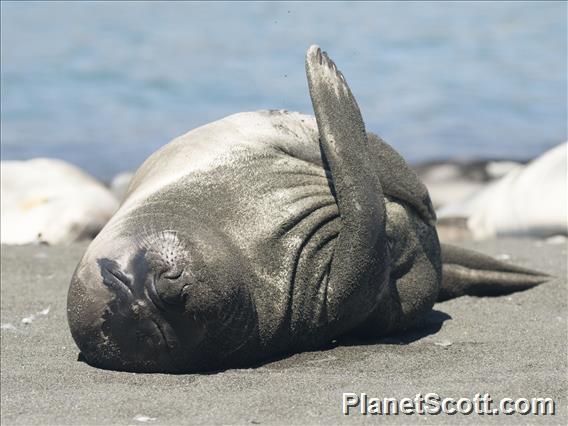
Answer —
512 346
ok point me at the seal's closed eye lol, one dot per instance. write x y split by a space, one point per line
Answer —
172 274
114 278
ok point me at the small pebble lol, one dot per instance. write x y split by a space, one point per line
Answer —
28 320
143 419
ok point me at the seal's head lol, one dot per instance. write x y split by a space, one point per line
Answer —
160 302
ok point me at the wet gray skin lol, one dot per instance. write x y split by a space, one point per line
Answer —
265 233
154 304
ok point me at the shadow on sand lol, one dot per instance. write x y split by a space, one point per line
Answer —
431 324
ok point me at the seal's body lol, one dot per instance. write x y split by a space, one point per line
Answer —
259 234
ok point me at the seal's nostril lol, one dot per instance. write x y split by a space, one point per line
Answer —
153 295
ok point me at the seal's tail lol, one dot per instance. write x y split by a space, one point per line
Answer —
466 272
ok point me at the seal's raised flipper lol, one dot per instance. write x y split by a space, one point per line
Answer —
360 264
468 272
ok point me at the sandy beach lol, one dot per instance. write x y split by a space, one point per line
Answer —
473 96
513 346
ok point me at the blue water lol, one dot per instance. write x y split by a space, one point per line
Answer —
104 84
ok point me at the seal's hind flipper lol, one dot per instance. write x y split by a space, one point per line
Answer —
360 264
466 272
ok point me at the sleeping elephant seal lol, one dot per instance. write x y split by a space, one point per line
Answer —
265 233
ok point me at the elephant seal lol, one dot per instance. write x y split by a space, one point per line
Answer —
265 233
49 201
528 201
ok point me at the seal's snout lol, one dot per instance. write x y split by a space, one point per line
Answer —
158 302
114 321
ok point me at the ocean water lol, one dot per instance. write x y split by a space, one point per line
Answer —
104 84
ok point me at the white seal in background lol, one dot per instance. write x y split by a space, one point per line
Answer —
527 201
50 201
